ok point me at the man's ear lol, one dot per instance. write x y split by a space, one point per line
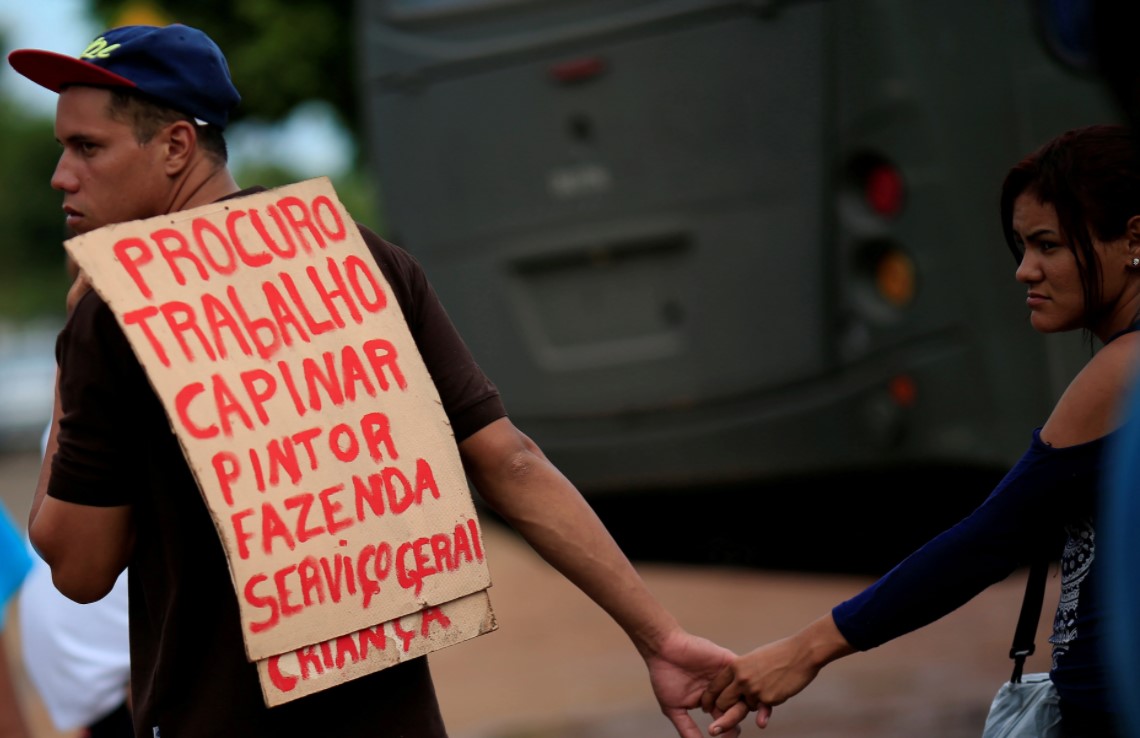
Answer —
181 142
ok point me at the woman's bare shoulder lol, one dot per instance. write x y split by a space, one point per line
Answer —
1093 403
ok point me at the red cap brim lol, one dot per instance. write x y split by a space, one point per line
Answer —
56 71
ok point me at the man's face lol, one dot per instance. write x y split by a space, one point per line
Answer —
106 176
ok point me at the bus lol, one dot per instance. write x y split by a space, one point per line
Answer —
724 242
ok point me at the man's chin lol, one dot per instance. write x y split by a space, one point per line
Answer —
77 225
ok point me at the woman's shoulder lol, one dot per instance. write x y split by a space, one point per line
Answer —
1091 406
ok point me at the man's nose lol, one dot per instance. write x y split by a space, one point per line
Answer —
62 178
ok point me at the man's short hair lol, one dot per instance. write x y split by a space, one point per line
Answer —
147 117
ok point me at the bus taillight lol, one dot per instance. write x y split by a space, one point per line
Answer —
903 390
578 70
888 278
895 277
883 188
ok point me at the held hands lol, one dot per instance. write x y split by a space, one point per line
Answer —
758 680
680 670
770 675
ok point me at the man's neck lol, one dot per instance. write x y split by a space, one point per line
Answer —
203 184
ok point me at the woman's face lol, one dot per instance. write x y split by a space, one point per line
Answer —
1048 268
1056 298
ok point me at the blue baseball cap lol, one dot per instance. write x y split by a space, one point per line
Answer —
176 65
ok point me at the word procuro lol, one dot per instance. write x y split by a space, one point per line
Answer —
246 240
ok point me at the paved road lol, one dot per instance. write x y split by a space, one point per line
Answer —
557 668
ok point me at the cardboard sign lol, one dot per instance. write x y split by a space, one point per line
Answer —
312 668
306 413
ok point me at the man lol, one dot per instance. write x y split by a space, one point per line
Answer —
140 118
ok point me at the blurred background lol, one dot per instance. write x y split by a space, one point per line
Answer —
736 265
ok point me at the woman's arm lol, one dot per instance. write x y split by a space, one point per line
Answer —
1025 513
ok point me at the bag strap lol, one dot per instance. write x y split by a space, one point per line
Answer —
1028 619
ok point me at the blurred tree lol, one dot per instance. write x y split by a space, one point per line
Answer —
281 52
32 278
355 189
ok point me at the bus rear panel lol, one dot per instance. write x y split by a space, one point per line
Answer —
703 242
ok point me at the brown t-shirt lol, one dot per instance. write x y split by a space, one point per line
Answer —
189 673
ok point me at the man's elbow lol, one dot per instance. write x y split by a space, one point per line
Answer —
80 586
77 575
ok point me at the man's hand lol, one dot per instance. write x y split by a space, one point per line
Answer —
680 671
78 289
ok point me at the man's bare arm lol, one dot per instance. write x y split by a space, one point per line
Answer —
87 547
515 478
517 481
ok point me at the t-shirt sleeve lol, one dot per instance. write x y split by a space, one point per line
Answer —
1021 520
469 398
95 360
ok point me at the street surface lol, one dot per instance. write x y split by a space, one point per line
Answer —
559 668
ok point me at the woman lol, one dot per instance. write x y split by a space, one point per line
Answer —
1071 216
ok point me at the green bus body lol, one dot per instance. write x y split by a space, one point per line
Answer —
650 221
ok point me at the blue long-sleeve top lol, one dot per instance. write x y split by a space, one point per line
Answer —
1046 504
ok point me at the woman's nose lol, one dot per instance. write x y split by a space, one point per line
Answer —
1028 270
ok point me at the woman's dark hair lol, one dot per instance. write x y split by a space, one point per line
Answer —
1091 176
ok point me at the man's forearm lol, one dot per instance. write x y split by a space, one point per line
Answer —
86 547
549 512
45 462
